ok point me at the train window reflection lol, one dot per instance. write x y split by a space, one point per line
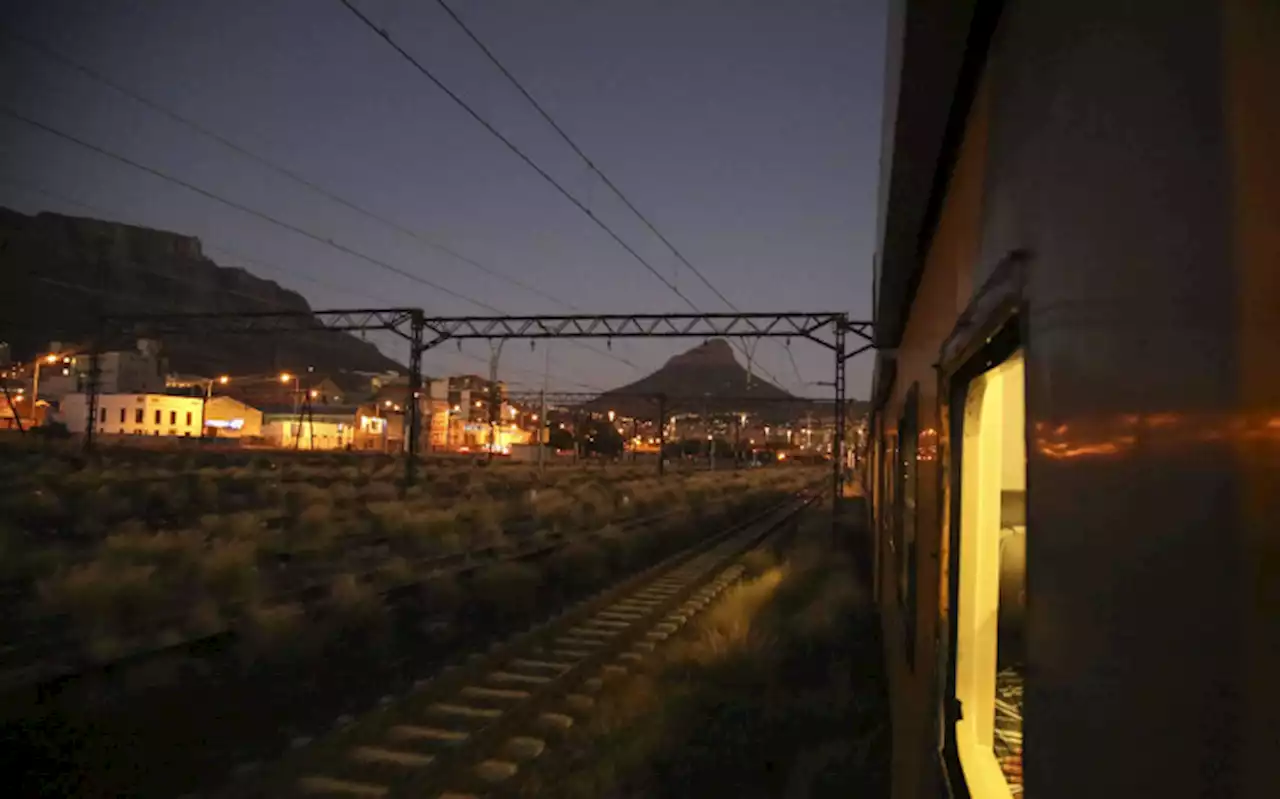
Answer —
990 651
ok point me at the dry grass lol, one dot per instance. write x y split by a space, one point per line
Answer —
772 692
506 590
229 571
578 567
352 602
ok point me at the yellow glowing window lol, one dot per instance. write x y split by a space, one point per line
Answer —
990 628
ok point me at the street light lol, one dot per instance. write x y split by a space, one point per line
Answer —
224 380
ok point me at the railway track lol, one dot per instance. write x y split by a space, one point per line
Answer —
472 729
50 650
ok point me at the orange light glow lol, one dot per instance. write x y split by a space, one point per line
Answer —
285 377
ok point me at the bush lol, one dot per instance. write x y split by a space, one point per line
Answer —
343 493
174 554
578 567
106 597
507 591
758 561
394 571
482 526
440 596
623 549
229 571
302 497
389 518
274 631
352 602
379 492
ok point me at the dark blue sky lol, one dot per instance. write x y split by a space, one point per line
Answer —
748 132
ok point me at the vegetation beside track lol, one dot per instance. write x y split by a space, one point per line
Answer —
131 550
776 691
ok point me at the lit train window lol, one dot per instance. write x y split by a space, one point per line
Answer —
990 627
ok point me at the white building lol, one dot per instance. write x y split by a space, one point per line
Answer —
140 371
135 414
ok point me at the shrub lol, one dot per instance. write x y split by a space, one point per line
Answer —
389 518
758 561
353 602
274 630
174 554
507 590
343 493
578 567
203 619
482 525
440 596
378 492
105 596
229 571
301 497
394 571
622 548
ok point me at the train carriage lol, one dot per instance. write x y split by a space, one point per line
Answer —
1075 435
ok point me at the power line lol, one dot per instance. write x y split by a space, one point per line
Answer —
573 146
257 261
799 380
280 170
159 108
513 148
591 164
244 208
519 153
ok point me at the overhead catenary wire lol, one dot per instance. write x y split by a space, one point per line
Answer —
429 75
160 108
578 150
613 187
513 148
123 295
241 207
267 163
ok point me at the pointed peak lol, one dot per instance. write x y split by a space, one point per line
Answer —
711 352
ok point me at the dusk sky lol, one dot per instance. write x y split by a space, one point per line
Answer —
746 130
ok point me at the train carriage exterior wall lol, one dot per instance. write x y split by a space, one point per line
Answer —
1079 241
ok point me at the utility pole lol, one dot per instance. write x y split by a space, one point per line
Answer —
542 413
13 409
495 403
662 433
633 439
737 440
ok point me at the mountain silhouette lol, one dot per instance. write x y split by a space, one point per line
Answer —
707 378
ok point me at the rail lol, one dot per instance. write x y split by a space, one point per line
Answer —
477 725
